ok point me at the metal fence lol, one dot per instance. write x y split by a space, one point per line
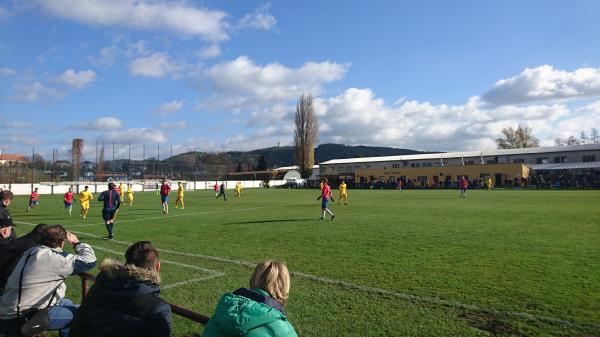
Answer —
118 161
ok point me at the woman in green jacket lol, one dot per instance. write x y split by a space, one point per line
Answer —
256 311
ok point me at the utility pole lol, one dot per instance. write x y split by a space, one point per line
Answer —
112 166
143 159
129 165
97 160
158 157
171 159
32 166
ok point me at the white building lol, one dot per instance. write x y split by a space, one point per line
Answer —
538 158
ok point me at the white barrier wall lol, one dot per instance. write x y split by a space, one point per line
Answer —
97 187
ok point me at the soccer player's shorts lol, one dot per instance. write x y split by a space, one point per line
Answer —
130 196
324 202
108 213
33 203
85 205
164 198
180 197
68 204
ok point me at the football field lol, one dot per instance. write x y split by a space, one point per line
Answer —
409 263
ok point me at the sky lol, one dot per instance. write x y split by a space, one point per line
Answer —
226 75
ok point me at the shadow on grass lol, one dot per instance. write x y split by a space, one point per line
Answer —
267 221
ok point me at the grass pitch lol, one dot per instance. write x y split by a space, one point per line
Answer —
409 263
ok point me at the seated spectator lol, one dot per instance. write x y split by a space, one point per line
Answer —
255 311
125 300
11 253
7 232
38 282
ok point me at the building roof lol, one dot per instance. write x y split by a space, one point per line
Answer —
566 166
12 157
295 167
466 154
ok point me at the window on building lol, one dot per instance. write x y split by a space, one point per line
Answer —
519 161
589 158
541 160
560 160
491 162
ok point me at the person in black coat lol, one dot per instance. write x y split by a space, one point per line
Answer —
11 252
125 300
6 220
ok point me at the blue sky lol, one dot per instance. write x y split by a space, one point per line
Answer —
212 75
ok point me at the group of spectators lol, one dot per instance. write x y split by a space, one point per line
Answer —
559 179
125 299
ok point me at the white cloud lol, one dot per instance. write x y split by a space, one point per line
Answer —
241 82
169 107
259 19
19 139
76 79
277 114
545 83
173 125
357 116
103 123
34 91
178 17
5 71
157 65
4 14
138 136
210 51
106 57
15 125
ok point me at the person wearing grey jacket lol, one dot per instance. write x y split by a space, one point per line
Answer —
40 276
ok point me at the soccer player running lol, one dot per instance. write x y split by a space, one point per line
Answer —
130 194
84 198
222 192
68 200
179 199
112 202
164 196
464 184
33 200
325 197
343 193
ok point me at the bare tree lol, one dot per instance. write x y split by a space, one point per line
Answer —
519 138
594 138
305 135
583 138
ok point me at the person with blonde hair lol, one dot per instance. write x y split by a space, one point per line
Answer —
256 311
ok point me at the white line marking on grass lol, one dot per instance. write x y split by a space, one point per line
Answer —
177 284
165 217
214 273
380 291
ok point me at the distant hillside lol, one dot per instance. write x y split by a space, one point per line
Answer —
284 156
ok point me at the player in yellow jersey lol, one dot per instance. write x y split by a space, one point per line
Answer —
130 194
84 197
343 193
238 190
179 199
122 192
489 184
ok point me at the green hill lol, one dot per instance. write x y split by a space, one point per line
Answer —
284 155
